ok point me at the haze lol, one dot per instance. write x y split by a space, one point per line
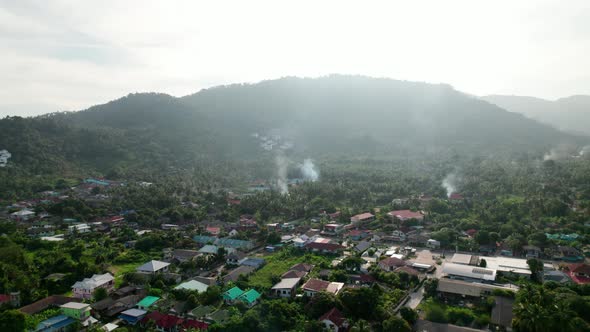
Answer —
69 55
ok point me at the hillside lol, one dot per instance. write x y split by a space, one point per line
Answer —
569 114
330 116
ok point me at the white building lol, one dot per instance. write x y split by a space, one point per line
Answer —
85 289
287 287
24 214
468 272
154 267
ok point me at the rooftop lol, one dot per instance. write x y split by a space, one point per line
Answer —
193 285
152 266
468 271
75 305
147 301
287 283
134 312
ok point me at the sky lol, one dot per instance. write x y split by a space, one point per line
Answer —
68 55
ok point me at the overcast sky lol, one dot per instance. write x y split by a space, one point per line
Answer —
68 55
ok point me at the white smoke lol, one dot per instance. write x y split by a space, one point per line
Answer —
450 183
560 152
4 156
309 170
585 151
282 164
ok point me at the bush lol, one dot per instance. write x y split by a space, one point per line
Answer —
460 316
435 313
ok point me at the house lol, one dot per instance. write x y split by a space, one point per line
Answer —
407 269
193 285
579 273
77 311
568 254
362 279
334 321
390 264
249 297
110 307
79 228
287 287
234 274
231 295
147 302
398 236
455 197
557 276
132 316
531 251
22 215
154 267
235 258
313 286
50 301
362 218
183 255
55 324
294 274
163 322
502 313
362 246
302 267
85 289
169 227
404 215
253 262
325 248
357 234
433 244
209 249
333 229
213 230
233 233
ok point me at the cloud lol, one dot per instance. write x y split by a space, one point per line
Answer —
103 50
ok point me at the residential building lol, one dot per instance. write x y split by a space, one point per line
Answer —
22 215
404 215
85 289
55 324
154 267
334 321
231 295
235 258
459 288
234 274
333 229
133 316
147 302
76 310
184 255
313 286
193 285
531 251
362 218
325 248
253 262
433 244
249 297
390 264
287 287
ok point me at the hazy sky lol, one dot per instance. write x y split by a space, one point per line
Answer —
68 55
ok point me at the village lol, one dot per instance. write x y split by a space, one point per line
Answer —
220 269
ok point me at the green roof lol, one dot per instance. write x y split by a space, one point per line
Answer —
250 296
148 301
233 293
193 285
219 316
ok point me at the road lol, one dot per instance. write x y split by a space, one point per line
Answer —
415 298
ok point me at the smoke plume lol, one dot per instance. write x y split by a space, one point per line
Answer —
309 170
282 163
450 183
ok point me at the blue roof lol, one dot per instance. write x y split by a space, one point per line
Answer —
203 239
255 262
54 323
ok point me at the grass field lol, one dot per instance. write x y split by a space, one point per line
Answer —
119 270
279 263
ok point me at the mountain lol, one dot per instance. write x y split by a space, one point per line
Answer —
569 114
330 116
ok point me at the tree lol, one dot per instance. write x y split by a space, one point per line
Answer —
395 323
320 303
536 266
483 263
100 294
12 320
409 315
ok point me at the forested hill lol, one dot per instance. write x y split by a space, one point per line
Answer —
570 114
336 115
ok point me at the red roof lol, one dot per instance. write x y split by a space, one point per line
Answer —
162 320
4 298
213 230
406 214
356 232
334 215
316 285
117 218
335 316
363 216
456 196
471 232
195 324
580 268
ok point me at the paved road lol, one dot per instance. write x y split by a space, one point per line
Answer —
415 298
